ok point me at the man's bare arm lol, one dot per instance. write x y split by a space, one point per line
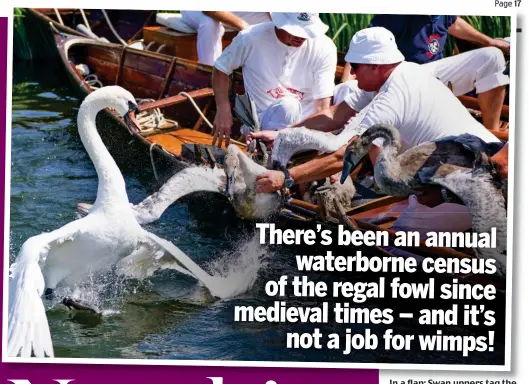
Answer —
322 104
319 168
329 119
223 118
463 30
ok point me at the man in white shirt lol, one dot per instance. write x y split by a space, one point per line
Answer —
390 91
288 68
209 26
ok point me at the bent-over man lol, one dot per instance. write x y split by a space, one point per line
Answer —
288 68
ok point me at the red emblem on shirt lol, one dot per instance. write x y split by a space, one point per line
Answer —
434 45
280 92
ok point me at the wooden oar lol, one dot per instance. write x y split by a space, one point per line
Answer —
178 99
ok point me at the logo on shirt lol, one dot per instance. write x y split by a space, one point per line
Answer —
304 16
280 92
434 45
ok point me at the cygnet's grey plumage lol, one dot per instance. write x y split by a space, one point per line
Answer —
343 193
397 174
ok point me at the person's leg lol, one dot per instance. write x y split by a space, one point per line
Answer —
284 112
490 104
209 36
479 69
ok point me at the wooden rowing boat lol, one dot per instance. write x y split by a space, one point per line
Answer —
162 78
128 24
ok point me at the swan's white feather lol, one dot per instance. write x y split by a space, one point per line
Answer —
28 329
291 141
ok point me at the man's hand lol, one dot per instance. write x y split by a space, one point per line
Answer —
268 137
501 44
222 125
501 161
270 181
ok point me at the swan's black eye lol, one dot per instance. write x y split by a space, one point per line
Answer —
133 107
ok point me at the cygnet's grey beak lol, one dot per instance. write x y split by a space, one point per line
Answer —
130 118
348 165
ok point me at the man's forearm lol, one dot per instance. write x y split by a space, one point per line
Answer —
463 30
328 119
221 84
319 168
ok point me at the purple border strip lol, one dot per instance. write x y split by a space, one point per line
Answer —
111 374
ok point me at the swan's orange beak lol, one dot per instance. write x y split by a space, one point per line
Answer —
130 119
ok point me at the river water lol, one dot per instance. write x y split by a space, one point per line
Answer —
166 316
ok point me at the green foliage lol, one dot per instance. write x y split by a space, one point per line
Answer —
32 39
21 45
342 27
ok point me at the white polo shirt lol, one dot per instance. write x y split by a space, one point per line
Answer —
272 70
418 105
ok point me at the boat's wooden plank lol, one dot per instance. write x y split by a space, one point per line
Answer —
190 75
106 71
103 53
142 80
382 202
147 64
139 91
173 141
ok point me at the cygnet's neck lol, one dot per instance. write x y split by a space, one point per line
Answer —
111 187
250 169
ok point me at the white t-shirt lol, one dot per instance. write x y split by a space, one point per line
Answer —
418 105
272 70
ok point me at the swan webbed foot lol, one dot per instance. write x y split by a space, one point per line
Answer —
78 305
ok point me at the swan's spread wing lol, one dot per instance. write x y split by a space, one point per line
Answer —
218 286
189 180
290 141
28 329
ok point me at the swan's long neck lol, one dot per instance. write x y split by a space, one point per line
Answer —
387 133
111 188
187 181
386 160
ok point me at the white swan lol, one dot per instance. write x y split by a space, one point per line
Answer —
290 141
109 235
237 180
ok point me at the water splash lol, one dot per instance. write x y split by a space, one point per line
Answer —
105 294
236 271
